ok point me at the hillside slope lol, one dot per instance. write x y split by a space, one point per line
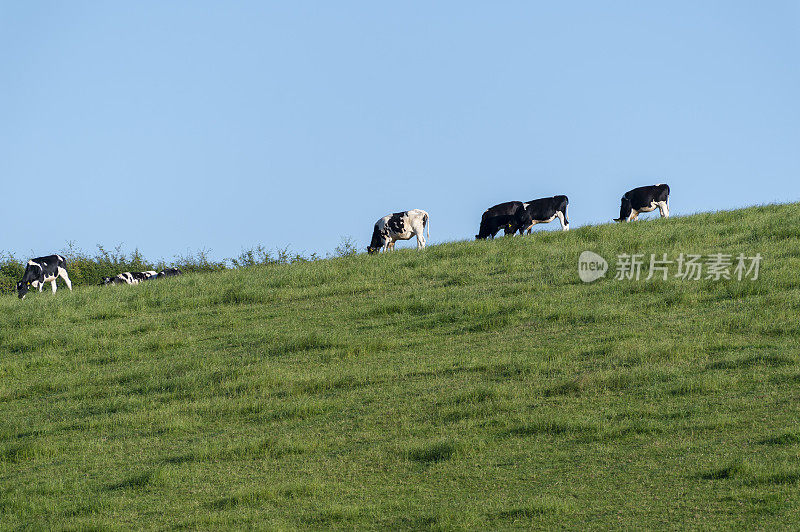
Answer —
475 384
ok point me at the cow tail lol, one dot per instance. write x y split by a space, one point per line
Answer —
427 226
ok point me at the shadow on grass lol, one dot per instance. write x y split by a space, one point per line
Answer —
257 498
414 522
138 481
722 473
331 516
776 478
17 452
547 508
432 452
549 427
772 360
787 438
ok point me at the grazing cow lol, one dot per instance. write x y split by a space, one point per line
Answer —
511 216
545 210
644 199
41 270
399 226
169 272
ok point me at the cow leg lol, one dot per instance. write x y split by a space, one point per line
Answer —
663 208
63 274
562 219
420 240
53 285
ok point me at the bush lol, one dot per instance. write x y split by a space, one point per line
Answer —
86 269
11 271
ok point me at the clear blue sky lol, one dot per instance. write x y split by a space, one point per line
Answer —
175 126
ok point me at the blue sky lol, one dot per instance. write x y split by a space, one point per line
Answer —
177 126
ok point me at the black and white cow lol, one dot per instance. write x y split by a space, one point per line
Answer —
41 270
120 278
169 272
644 199
144 276
129 277
544 211
511 216
399 226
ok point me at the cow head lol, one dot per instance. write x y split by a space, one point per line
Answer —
484 231
511 229
106 281
378 241
22 289
625 210
485 234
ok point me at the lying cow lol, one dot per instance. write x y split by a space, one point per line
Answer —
644 199
120 278
144 276
41 270
544 211
169 272
399 226
129 277
510 216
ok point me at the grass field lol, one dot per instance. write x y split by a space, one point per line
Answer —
473 385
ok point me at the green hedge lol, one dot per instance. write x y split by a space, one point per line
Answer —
89 269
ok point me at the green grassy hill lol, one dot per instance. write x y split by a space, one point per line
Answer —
472 385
